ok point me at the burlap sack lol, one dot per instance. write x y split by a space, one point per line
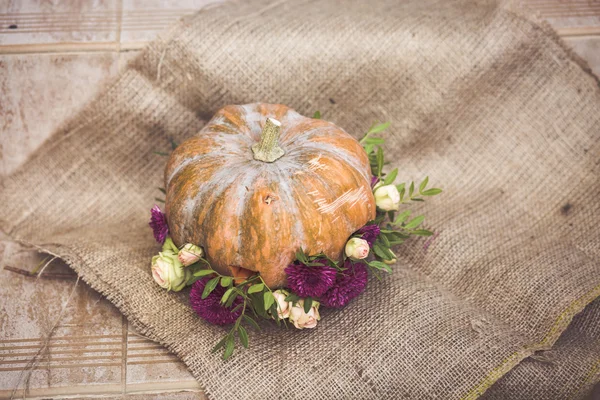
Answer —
484 101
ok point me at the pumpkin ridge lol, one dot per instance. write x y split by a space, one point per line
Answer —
341 154
188 163
290 136
209 192
184 186
267 230
220 226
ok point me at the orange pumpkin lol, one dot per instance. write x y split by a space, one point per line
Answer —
260 181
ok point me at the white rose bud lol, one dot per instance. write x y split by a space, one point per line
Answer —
189 254
168 272
387 197
283 307
392 261
357 248
302 320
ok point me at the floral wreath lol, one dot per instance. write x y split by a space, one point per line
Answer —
313 280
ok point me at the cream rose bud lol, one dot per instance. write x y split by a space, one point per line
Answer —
283 307
357 248
387 197
301 319
168 272
189 254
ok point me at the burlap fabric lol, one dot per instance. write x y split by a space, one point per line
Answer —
487 103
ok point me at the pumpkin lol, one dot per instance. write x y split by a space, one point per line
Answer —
261 181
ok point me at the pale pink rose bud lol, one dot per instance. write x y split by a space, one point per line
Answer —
190 254
283 307
168 272
301 319
387 197
357 248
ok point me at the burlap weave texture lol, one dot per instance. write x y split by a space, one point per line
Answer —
484 101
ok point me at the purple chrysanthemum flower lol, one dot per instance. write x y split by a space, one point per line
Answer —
158 223
348 285
311 281
374 181
369 233
211 308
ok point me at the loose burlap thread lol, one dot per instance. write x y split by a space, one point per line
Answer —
486 102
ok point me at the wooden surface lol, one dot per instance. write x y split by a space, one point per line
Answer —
53 57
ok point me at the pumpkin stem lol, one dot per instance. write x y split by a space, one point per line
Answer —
268 150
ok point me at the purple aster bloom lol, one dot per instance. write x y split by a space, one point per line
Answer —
369 233
374 181
310 281
211 308
158 223
348 285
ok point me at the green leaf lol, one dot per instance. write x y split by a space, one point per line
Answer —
384 240
415 222
379 161
374 140
219 344
417 199
159 200
369 148
274 313
395 242
381 266
251 322
226 281
379 128
237 307
301 256
423 185
292 298
307 304
163 190
381 252
258 304
422 232
391 215
269 300
229 346
402 217
411 189
192 280
391 177
210 286
317 115
226 295
231 299
243 336
432 192
161 153
173 144
204 272
257 287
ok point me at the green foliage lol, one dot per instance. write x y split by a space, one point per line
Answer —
395 229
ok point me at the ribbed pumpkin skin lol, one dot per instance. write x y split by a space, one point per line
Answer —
256 215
